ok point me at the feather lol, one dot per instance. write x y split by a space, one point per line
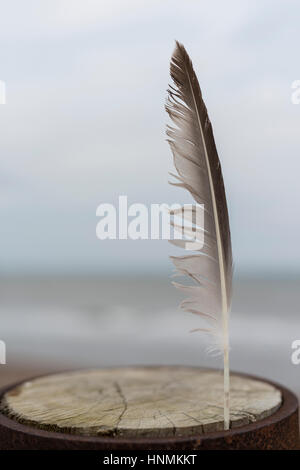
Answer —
199 172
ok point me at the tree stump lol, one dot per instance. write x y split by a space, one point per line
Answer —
146 408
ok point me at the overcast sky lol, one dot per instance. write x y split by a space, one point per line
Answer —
84 122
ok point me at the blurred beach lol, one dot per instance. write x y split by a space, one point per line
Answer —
54 324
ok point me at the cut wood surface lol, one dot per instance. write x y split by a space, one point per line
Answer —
138 402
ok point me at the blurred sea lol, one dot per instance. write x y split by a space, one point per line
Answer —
62 323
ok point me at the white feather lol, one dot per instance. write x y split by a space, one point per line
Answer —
199 171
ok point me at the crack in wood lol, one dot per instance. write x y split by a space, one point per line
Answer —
170 421
124 401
